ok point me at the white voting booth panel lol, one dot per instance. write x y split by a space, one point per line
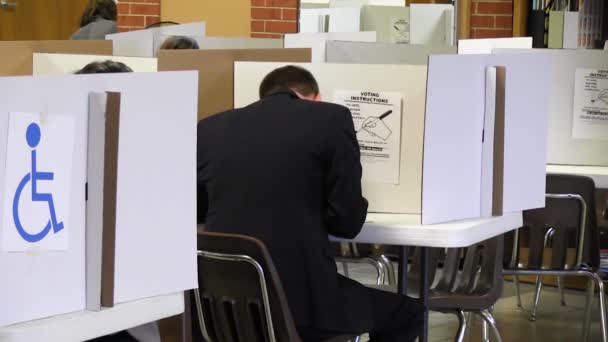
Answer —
563 148
383 53
222 43
408 81
140 43
316 41
485 46
456 141
391 23
432 24
155 192
359 3
61 64
343 19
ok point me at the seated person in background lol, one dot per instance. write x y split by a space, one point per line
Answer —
98 19
104 67
286 170
179 43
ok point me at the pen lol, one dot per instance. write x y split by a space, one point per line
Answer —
385 115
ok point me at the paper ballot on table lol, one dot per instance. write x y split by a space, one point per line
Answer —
37 182
377 120
590 104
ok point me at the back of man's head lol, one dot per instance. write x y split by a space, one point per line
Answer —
104 67
298 79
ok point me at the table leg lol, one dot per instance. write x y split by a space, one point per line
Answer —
424 291
402 281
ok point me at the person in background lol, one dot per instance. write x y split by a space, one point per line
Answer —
104 67
98 19
179 43
286 170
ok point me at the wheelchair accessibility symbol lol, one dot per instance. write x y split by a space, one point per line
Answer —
31 234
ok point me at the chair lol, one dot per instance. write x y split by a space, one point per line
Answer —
240 297
568 218
470 281
350 252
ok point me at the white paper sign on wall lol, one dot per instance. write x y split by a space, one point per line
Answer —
590 110
39 156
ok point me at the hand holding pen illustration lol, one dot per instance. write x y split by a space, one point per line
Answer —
376 127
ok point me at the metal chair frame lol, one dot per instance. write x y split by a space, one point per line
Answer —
579 269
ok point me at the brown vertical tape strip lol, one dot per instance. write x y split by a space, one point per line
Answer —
109 198
499 143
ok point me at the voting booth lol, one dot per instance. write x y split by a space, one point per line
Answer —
383 53
223 43
17 55
423 148
61 64
317 41
577 132
216 71
84 221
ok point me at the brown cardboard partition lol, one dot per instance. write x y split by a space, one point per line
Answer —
17 57
216 71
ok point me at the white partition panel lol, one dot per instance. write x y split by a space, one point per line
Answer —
346 19
316 41
432 24
226 43
485 46
383 53
391 23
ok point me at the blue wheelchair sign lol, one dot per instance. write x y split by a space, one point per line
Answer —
33 135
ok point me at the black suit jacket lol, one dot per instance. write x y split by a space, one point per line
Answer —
287 171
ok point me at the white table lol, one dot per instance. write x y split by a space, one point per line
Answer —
85 325
599 174
404 230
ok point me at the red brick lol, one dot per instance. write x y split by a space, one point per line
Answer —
491 33
482 21
150 20
265 35
281 26
282 3
495 8
258 3
290 14
265 13
123 8
504 21
131 20
152 9
257 26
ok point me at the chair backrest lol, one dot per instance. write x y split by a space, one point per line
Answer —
232 293
564 217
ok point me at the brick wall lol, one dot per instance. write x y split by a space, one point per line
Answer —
137 14
273 18
491 18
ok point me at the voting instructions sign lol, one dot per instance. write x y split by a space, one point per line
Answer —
377 120
37 182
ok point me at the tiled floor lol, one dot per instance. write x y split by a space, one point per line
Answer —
554 322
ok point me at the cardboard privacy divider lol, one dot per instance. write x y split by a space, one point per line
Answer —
223 43
449 185
383 53
316 41
216 71
40 283
432 24
341 19
140 43
17 55
391 23
562 147
485 46
61 64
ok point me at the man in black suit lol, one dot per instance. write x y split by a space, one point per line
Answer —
287 170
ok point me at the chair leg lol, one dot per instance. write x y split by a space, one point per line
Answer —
485 336
489 318
462 326
381 272
517 291
390 270
345 269
357 339
588 304
539 286
560 288
601 290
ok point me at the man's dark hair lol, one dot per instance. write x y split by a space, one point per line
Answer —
98 9
179 43
105 67
291 77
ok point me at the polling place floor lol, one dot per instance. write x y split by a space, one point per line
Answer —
554 322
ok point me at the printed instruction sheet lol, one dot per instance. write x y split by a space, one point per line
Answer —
590 110
377 120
